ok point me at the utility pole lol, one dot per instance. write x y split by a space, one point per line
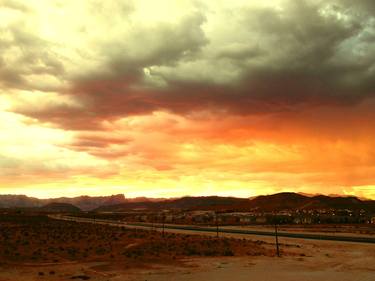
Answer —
163 218
217 225
277 241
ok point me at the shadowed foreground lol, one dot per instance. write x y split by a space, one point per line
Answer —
38 248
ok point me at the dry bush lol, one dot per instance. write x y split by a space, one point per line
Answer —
40 239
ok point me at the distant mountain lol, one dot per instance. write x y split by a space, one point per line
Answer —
266 203
58 208
279 201
294 201
20 201
82 202
179 203
87 203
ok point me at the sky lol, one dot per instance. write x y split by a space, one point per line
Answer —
190 97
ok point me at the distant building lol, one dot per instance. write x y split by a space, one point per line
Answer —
143 218
246 219
168 218
302 220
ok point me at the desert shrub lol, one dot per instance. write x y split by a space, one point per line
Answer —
100 251
228 252
191 251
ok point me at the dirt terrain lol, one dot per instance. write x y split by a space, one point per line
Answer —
40 242
38 248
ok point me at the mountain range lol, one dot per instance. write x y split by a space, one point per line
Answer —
264 203
85 203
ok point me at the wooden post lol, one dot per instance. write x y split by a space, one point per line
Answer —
217 226
277 241
163 218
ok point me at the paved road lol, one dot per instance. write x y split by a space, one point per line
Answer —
200 229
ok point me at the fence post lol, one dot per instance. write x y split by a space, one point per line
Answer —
277 241
163 218
217 225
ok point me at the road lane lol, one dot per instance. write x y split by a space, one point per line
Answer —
227 231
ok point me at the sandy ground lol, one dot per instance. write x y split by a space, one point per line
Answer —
315 261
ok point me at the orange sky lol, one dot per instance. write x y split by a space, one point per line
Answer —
187 98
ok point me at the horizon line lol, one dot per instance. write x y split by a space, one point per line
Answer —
189 195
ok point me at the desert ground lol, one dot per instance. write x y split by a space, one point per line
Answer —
38 248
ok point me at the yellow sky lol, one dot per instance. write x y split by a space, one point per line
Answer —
173 98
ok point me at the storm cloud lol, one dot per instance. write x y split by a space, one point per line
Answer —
243 60
205 80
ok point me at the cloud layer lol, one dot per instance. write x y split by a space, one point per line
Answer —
238 97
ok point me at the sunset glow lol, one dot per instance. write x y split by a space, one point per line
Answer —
173 98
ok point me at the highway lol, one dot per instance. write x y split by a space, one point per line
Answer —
207 229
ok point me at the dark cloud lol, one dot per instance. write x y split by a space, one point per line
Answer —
23 53
321 42
239 52
161 44
306 54
359 7
85 141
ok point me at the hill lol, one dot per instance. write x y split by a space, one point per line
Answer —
83 202
59 208
294 201
265 203
179 203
